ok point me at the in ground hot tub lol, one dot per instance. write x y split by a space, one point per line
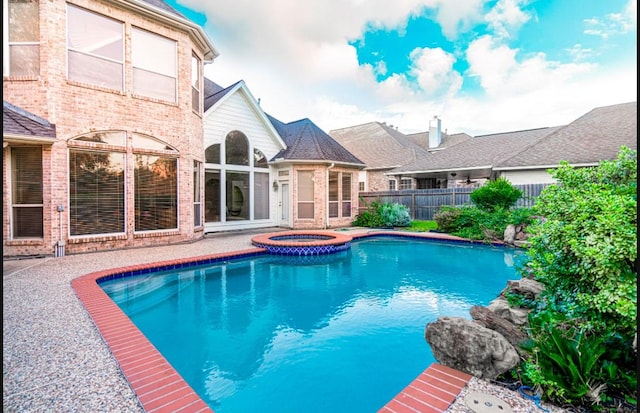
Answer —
302 242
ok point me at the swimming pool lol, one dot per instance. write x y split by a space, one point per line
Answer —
341 332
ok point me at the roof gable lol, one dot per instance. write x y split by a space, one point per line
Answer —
215 96
379 145
307 142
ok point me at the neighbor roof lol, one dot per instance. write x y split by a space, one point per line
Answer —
379 145
479 152
17 122
595 136
213 92
307 142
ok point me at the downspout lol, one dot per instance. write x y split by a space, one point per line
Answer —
326 210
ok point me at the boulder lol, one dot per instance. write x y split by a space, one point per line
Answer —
525 287
509 234
500 307
469 347
488 319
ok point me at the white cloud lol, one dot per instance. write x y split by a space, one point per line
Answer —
295 56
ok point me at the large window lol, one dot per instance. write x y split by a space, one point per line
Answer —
154 60
339 194
236 183
334 193
95 49
21 54
97 165
97 187
406 183
305 195
197 194
346 195
195 83
155 192
26 192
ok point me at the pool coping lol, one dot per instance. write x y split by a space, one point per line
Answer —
159 388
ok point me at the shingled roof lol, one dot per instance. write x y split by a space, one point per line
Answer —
307 142
18 123
379 146
213 92
595 136
480 152
422 139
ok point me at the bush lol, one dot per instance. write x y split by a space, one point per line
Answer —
383 215
496 194
585 253
477 224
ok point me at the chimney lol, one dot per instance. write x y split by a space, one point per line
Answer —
435 132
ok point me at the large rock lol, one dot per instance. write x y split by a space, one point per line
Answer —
469 347
507 329
500 307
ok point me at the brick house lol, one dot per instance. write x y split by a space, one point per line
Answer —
104 118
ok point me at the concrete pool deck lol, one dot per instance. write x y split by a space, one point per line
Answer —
54 357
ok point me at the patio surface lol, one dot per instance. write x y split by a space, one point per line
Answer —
54 357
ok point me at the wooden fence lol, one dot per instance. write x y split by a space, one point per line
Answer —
424 203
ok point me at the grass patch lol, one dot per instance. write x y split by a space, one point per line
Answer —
422 226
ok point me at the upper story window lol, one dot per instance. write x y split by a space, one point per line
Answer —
21 48
195 83
95 46
154 60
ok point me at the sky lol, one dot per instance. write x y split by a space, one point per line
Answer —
482 67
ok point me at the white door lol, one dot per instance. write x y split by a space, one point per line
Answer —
283 205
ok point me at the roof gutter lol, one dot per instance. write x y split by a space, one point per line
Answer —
197 32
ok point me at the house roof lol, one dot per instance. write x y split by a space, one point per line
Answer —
422 139
595 136
480 152
379 146
213 92
21 125
307 142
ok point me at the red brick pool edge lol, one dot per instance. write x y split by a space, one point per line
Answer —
161 389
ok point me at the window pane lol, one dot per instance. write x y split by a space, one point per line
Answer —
237 186
96 192
259 160
156 195
24 21
346 209
212 154
212 196
96 48
305 186
305 194
154 60
195 83
96 71
305 210
333 186
154 85
236 149
25 60
261 196
333 209
140 141
108 138
26 191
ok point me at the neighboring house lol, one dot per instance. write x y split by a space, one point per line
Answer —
435 159
382 148
260 172
102 131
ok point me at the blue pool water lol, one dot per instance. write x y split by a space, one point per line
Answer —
334 333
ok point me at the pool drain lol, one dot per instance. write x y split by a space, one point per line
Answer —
486 403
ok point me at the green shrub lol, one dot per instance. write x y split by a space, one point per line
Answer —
496 194
383 215
474 223
446 218
585 253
